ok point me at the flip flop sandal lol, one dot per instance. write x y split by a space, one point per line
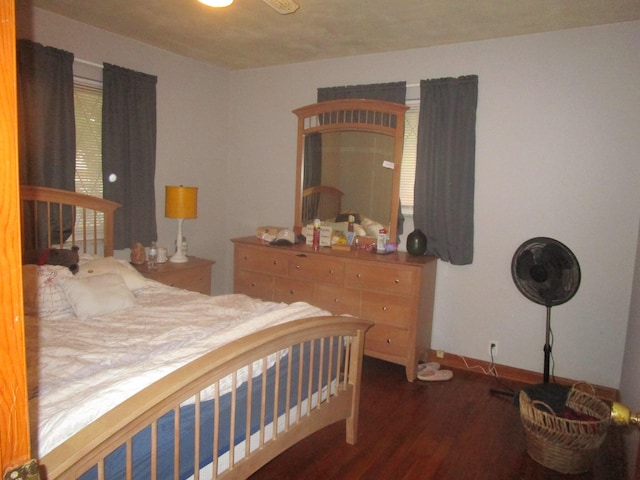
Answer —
433 366
435 375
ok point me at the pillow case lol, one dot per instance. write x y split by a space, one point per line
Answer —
43 295
97 295
99 266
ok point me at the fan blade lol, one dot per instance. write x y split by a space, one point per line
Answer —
283 6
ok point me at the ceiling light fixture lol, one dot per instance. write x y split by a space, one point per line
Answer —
283 6
216 3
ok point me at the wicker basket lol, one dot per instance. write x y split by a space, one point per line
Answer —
563 445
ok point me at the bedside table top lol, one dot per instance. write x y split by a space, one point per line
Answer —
169 266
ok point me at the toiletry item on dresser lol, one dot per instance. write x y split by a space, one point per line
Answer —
381 240
316 233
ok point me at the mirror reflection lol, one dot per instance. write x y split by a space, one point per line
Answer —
348 173
348 167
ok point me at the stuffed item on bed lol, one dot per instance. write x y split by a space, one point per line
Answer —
66 257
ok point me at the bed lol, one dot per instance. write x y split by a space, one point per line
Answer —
149 381
322 201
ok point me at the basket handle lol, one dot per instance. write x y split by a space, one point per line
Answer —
540 403
582 387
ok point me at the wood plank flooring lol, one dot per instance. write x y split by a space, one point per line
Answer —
455 430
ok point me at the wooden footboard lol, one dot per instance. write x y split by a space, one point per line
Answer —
316 366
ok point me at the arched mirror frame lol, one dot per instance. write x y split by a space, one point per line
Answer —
360 115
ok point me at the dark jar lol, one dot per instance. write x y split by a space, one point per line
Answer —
416 243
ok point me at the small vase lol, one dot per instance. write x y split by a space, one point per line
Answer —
416 243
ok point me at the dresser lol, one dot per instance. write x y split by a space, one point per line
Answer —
394 291
193 275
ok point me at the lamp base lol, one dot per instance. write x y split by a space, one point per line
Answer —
179 257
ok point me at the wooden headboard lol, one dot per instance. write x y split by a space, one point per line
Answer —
42 217
321 202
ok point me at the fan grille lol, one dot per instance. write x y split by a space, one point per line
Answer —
546 271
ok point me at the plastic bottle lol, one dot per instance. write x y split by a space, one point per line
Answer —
316 234
381 240
152 258
352 219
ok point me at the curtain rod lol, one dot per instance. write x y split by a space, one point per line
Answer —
86 62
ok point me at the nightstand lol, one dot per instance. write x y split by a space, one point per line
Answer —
193 275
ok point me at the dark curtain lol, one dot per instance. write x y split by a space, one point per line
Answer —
390 92
445 167
312 173
129 152
46 129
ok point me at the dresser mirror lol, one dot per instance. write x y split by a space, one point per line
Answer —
349 154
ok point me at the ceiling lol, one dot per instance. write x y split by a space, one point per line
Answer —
250 34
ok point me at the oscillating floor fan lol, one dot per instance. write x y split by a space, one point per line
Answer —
546 272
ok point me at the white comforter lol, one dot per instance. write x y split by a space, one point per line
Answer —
80 369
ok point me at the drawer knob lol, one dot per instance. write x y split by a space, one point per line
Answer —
331 272
358 275
397 281
291 292
385 308
388 340
253 284
336 300
275 262
298 267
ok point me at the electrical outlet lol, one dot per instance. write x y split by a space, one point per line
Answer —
493 349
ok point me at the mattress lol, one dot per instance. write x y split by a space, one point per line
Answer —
79 369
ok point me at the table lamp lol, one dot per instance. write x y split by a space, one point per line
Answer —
180 202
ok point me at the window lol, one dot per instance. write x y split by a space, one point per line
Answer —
88 116
408 169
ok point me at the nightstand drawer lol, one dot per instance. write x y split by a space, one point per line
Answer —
193 275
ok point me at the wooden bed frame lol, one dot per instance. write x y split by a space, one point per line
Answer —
91 445
322 201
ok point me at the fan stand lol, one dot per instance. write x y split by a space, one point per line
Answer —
546 272
547 347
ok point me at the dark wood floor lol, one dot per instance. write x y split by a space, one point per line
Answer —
455 430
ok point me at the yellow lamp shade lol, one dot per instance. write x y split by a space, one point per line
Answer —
181 202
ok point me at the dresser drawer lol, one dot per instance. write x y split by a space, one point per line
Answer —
379 278
385 341
267 260
338 300
258 285
316 269
387 309
289 291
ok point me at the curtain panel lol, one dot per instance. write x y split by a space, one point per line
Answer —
445 167
389 92
129 152
46 127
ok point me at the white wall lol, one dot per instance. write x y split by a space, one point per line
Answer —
557 155
557 143
630 380
192 124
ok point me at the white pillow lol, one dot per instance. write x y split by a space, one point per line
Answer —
97 295
100 266
43 295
